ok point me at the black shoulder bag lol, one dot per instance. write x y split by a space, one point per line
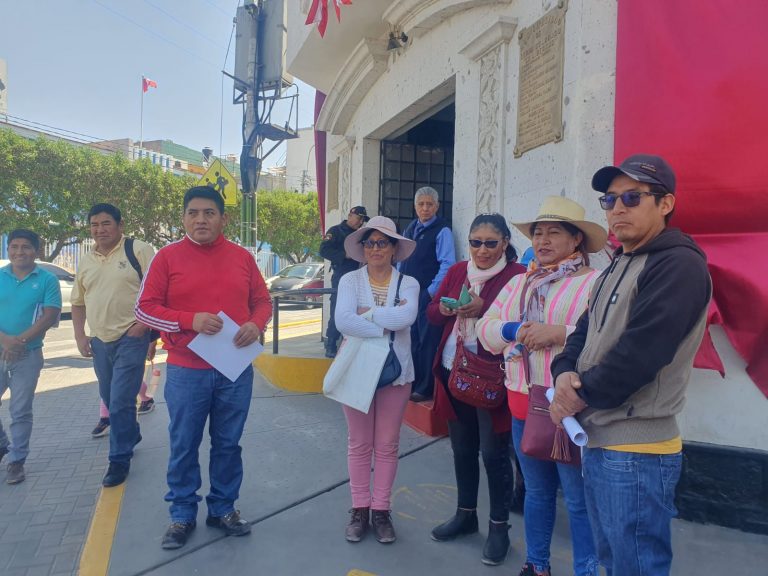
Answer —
131 255
392 368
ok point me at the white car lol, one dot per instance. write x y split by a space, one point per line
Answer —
66 282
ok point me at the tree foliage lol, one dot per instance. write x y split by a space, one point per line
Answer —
290 223
48 186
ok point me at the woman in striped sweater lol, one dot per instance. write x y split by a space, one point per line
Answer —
529 321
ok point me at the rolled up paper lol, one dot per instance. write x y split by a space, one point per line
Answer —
572 427
509 330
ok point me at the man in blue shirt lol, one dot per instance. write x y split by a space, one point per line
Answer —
435 253
30 303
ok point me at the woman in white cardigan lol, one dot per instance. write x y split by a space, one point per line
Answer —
365 307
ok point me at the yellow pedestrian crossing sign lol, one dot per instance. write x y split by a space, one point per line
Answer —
221 180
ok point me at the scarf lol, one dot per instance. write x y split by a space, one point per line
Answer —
477 279
538 279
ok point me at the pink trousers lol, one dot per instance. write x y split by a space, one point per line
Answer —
375 437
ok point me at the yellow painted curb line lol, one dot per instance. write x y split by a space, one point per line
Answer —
292 373
298 323
94 560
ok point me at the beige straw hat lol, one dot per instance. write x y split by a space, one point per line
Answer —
354 249
559 209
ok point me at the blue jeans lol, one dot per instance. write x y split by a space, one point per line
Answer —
192 395
21 377
541 481
631 501
119 368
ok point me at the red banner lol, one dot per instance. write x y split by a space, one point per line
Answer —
692 86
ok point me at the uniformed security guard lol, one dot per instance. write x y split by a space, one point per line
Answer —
332 248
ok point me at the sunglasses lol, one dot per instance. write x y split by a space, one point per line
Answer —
371 244
630 199
490 244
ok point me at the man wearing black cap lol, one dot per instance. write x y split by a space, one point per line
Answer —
332 248
625 368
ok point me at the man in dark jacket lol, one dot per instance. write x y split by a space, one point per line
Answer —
625 368
332 248
435 253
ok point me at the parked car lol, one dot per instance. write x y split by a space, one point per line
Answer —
66 282
296 277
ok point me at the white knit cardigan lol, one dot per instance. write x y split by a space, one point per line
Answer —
355 290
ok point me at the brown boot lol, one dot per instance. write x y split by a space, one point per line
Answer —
382 526
358 524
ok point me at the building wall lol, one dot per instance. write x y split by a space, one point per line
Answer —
300 170
439 62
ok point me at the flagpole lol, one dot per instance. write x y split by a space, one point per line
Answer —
141 126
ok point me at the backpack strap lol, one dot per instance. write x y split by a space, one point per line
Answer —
131 255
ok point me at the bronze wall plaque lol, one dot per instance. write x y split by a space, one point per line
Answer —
332 190
540 88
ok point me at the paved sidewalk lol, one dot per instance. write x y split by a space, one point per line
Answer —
295 490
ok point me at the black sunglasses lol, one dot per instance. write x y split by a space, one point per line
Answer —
630 199
380 244
490 244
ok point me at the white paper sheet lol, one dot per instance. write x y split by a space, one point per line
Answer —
220 351
572 427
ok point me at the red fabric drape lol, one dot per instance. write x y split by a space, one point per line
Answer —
692 86
320 159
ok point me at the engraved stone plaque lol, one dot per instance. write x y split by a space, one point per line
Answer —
540 89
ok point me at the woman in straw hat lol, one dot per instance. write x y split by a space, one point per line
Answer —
365 307
492 263
555 290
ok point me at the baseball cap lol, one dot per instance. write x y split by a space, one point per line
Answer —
360 211
641 167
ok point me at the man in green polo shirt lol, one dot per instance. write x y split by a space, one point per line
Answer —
30 303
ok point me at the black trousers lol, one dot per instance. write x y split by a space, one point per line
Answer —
332 335
471 435
425 339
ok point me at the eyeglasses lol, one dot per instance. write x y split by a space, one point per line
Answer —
490 244
630 199
371 244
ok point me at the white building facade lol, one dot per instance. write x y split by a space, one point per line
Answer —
426 92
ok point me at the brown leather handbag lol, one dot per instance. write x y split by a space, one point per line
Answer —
541 438
475 380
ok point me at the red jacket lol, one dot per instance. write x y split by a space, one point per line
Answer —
451 287
185 278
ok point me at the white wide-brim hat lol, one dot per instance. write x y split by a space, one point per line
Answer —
559 209
354 249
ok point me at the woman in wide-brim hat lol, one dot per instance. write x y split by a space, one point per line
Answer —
529 322
367 307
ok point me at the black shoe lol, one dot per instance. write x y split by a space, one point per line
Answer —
416 397
3 452
330 353
464 522
177 534
116 474
381 520
231 523
497 544
529 570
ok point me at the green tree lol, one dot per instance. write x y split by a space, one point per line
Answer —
290 223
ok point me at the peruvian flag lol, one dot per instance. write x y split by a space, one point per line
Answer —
146 84
318 13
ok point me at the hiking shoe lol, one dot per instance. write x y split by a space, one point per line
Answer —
359 521
15 473
231 523
382 526
102 428
529 570
116 474
177 534
464 522
146 406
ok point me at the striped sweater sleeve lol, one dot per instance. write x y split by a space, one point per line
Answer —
488 328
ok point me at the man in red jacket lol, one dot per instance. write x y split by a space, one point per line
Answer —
187 284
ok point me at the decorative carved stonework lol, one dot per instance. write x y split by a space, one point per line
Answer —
489 147
332 191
